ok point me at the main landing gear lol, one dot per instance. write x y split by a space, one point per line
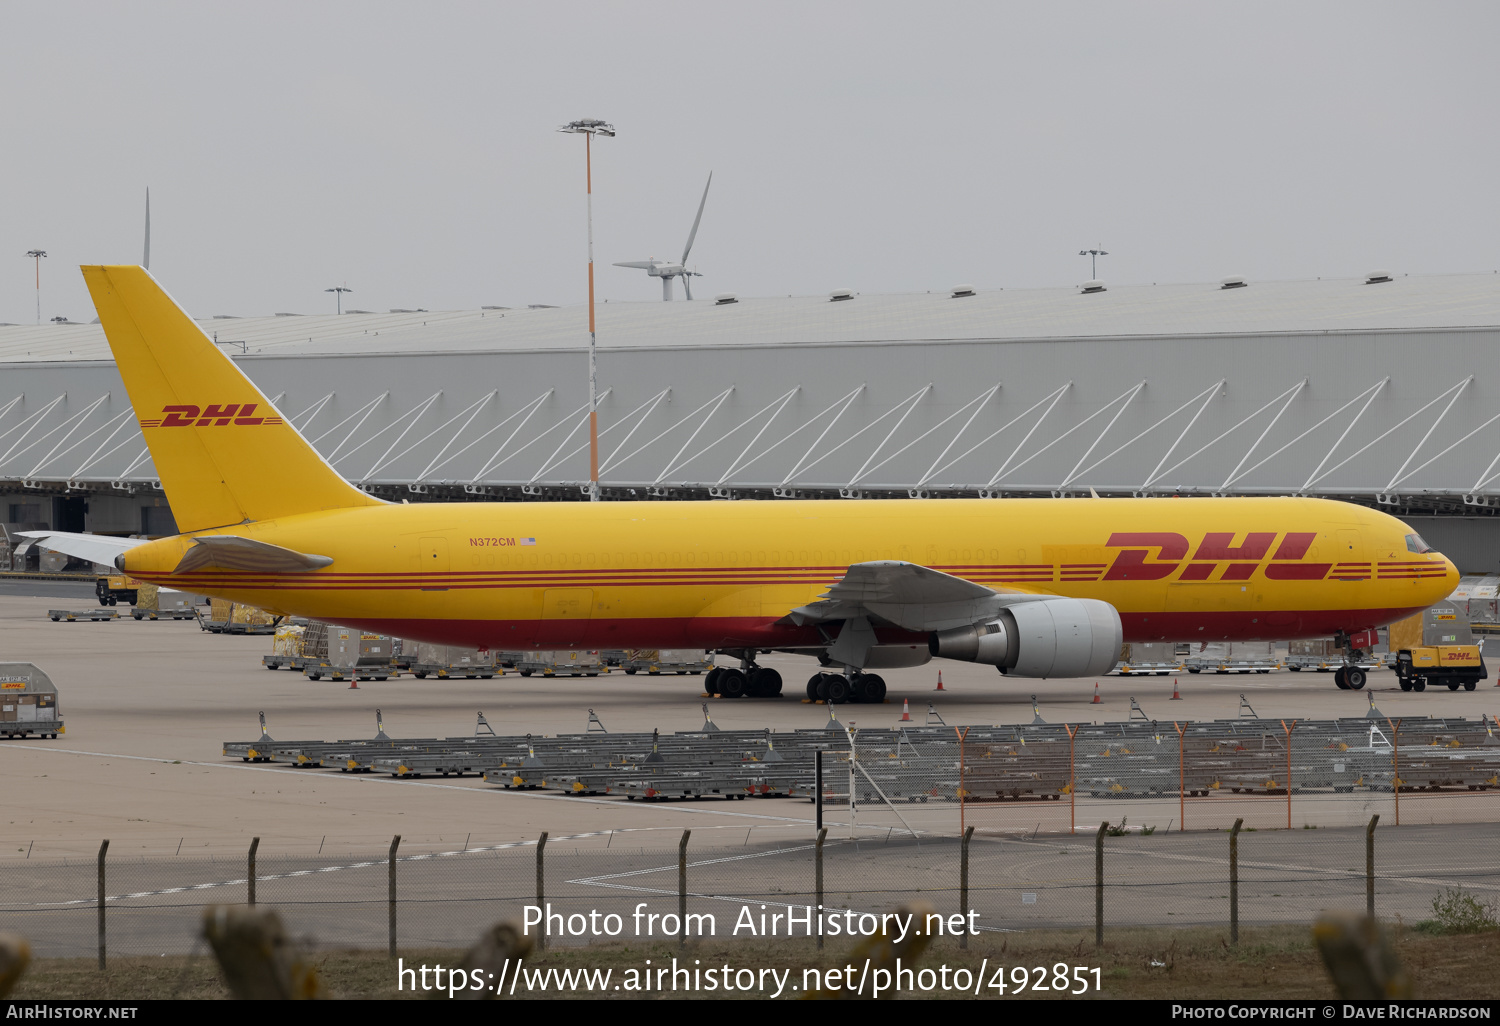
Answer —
745 681
837 688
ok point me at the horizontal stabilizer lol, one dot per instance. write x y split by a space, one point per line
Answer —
96 548
229 552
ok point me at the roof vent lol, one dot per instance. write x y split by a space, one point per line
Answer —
962 290
839 295
541 306
288 315
358 311
1376 277
494 308
1234 281
1093 286
725 298
225 317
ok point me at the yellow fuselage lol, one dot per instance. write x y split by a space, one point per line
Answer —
514 576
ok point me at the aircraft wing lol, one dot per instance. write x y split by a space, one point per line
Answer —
96 548
907 595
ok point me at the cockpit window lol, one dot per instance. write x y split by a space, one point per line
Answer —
1414 543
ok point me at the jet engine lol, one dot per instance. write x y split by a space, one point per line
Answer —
1060 637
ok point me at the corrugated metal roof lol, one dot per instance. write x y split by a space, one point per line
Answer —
1326 305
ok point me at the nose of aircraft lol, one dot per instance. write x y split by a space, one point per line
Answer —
1444 586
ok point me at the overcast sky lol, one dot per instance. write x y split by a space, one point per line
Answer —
409 149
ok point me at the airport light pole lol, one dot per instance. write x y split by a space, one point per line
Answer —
588 128
1093 255
338 297
37 254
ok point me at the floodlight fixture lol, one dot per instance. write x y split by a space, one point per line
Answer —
37 254
1093 255
338 297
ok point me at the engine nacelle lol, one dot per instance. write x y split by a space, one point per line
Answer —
1061 637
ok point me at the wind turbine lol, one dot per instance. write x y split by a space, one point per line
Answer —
665 270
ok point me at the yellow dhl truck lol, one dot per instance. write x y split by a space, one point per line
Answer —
116 588
1435 647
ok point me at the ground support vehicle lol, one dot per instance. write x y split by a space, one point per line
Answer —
1436 647
116 588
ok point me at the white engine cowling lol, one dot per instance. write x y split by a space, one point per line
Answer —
1061 637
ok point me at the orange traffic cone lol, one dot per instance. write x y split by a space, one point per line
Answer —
1175 696
905 712
1097 700
940 681
353 683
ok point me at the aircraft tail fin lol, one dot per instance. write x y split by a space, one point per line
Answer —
224 453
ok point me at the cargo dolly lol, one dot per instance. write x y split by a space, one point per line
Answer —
105 613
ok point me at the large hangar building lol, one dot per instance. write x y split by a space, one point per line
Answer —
1380 390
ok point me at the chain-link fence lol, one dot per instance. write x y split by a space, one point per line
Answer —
1097 879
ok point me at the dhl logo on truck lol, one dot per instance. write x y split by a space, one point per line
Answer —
212 415
1240 562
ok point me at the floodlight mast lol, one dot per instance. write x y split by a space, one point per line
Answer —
338 297
1093 255
37 254
588 128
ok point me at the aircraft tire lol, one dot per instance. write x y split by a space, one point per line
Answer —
731 683
766 682
710 682
1354 678
838 689
872 688
1339 681
813 684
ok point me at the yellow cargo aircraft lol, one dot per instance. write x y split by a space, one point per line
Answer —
1035 587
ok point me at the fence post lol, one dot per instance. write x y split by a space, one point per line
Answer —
250 880
1099 885
1395 726
1370 866
102 849
1181 775
1288 770
962 791
818 861
963 885
682 889
391 862
1234 881
818 793
541 891
1072 781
